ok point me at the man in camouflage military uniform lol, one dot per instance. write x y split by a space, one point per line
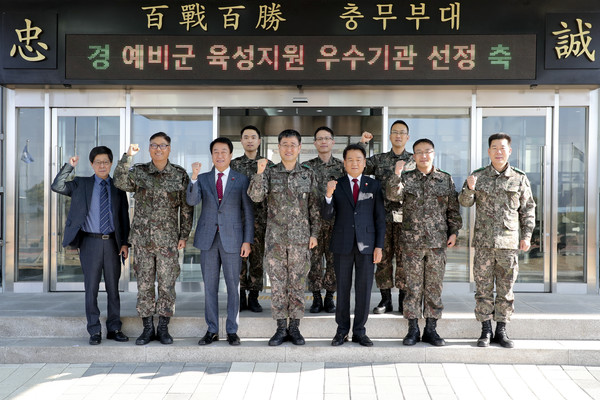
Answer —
382 167
161 226
327 168
293 225
504 223
431 221
251 275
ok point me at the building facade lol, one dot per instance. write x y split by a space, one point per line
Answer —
76 75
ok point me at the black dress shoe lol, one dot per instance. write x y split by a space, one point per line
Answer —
233 339
96 338
362 340
208 338
117 336
339 339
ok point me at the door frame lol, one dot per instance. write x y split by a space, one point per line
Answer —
54 245
547 240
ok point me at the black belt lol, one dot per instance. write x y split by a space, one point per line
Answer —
100 236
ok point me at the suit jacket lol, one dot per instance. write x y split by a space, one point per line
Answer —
80 190
364 222
234 216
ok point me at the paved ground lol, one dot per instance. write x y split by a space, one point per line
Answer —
289 381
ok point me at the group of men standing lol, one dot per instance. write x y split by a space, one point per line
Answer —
323 219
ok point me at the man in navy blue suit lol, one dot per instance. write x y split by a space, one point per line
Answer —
98 225
224 232
357 241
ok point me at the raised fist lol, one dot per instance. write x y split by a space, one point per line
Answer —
261 165
331 185
73 161
196 170
471 181
366 137
133 149
399 167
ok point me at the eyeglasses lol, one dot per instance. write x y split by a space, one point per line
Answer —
424 153
289 146
323 139
155 146
102 163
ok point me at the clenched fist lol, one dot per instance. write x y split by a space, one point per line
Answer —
399 167
73 161
471 181
366 137
261 165
196 170
331 185
133 149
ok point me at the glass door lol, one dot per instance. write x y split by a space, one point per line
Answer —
530 130
76 132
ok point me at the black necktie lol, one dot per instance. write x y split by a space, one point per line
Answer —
104 209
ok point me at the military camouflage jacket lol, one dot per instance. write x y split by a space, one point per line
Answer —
247 166
161 216
382 167
325 172
430 207
293 203
505 207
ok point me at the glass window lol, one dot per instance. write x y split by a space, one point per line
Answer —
191 133
449 130
1 209
78 136
528 137
30 188
571 194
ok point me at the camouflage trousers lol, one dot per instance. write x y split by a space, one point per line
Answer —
424 282
251 274
384 273
154 263
287 267
316 279
502 267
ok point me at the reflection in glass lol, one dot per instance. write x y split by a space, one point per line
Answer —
78 136
449 130
571 195
30 189
528 135
191 133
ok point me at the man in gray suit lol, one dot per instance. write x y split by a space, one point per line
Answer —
224 232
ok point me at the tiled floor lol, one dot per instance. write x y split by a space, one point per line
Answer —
289 381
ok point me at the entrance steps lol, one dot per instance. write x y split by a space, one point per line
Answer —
56 332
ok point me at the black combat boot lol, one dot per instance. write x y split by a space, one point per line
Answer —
281 334
253 304
430 335
501 337
401 296
243 300
385 305
486 334
148 333
414 334
317 305
294 332
162 330
329 304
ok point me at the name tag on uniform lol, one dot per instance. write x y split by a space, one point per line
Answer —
397 215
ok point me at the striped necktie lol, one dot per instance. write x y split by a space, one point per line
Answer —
104 209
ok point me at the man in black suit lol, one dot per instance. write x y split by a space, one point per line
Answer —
357 240
97 225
